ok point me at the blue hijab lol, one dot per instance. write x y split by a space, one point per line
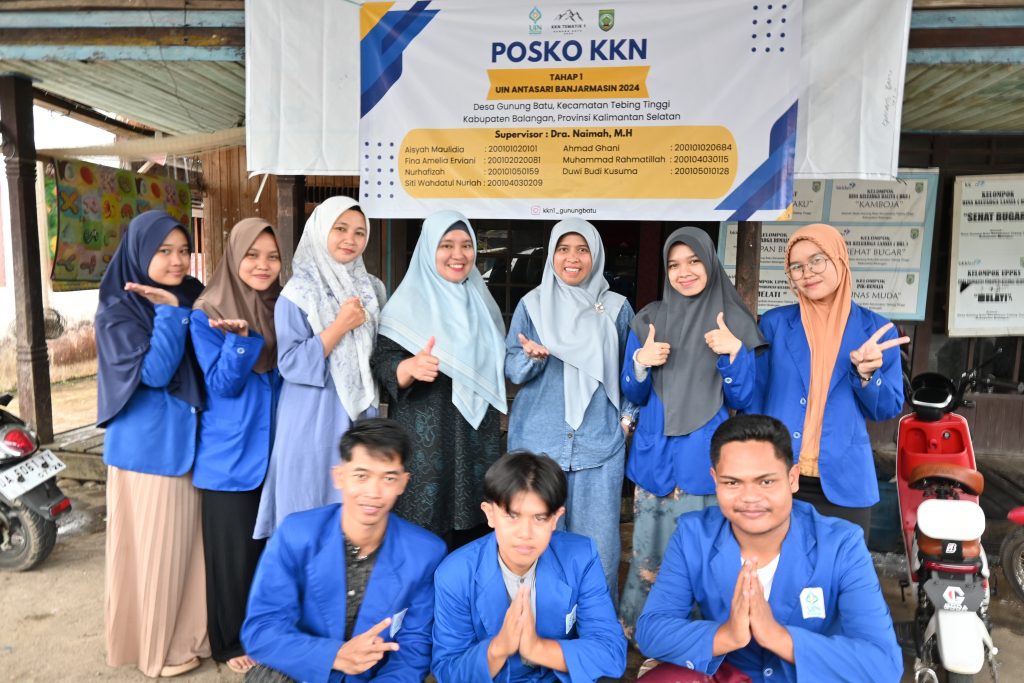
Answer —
124 320
462 317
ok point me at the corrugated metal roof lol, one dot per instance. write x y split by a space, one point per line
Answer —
964 98
204 96
176 97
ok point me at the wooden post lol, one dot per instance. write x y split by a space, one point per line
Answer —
748 263
19 151
291 218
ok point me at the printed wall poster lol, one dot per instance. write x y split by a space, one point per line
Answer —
887 226
986 282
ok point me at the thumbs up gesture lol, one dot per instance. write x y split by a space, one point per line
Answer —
532 349
653 353
722 341
422 367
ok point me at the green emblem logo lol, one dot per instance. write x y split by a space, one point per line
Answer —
606 19
535 28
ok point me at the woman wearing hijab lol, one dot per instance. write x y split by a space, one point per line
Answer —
149 390
440 357
685 369
233 335
326 323
832 365
564 347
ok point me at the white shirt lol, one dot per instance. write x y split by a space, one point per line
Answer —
766 575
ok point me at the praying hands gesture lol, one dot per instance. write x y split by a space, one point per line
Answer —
363 651
519 634
751 618
868 357
239 327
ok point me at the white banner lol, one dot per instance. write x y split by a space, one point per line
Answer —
854 59
302 87
543 110
986 282
302 90
887 225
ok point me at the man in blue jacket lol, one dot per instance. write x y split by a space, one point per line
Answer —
783 592
525 603
346 592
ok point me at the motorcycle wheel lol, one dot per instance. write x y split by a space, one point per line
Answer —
1011 556
30 537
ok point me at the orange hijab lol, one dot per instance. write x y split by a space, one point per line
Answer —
824 323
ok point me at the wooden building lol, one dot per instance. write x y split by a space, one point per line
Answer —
963 113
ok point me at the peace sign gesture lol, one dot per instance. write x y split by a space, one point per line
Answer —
868 357
363 651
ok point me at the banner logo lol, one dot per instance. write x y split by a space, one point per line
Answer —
568 22
535 28
606 19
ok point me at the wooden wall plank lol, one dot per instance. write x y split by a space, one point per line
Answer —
229 197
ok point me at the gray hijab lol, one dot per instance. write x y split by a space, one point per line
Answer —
689 385
577 324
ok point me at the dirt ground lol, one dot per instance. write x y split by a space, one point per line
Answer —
74 404
52 618
51 626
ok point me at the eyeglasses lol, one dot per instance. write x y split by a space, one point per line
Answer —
816 264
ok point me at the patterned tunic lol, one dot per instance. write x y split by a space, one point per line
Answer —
448 458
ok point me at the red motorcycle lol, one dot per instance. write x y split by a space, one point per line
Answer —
1011 553
938 486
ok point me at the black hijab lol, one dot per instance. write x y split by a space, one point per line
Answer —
688 384
124 320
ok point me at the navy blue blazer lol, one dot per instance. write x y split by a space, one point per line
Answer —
852 639
573 607
295 622
845 463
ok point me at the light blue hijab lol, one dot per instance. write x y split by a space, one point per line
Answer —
577 324
463 318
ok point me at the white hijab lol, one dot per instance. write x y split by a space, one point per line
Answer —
577 324
319 285
462 317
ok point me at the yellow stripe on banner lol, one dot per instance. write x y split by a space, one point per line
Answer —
370 15
786 215
616 161
588 83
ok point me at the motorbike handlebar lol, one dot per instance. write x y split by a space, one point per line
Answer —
1006 385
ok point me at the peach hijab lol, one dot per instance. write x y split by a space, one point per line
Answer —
824 323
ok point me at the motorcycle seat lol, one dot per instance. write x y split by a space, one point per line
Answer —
972 481
931 547
942 521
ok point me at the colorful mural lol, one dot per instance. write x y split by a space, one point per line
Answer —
89 211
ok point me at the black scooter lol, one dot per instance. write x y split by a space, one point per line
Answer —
30 500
